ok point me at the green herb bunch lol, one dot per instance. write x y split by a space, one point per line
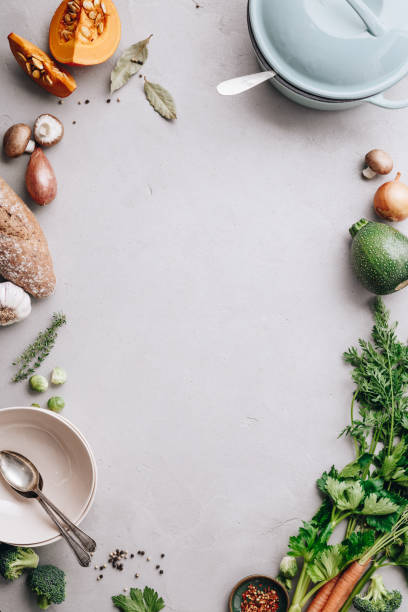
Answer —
33 356
369 496
139 601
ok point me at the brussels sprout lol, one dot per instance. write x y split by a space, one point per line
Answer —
58 376
56 404
38 383
288 567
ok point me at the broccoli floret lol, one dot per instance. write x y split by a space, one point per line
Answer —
48 582
14 560
377 598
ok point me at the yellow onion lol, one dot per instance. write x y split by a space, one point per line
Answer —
391 200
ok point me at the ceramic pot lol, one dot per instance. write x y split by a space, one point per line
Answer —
325 52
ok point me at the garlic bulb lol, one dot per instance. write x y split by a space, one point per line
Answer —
15 304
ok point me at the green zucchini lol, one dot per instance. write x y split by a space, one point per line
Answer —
379 255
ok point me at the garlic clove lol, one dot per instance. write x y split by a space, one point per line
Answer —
15 304
48 130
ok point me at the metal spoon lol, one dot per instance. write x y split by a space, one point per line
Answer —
243 83
23 476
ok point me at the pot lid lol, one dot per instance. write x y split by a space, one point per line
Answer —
340 49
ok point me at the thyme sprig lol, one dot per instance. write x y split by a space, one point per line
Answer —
33 356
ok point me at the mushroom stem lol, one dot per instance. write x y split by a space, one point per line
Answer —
30 146
369 173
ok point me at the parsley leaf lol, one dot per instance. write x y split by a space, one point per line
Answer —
383 524
307 543
378 506
322 481
138 601
323 516
346 494
356 468
327 564
358 543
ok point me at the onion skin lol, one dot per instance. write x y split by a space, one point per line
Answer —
391 200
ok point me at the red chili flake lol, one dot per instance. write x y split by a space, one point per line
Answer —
258 599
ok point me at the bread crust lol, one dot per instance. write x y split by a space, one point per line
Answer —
25 259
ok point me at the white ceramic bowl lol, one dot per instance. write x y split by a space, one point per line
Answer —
67 465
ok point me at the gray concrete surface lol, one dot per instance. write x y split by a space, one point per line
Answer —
203 266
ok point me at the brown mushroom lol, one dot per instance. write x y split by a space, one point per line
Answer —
48 130
17 140
377 162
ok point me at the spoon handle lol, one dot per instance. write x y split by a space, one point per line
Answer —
83 557
87 542
243 83
374 25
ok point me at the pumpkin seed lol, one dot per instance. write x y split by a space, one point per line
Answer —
103 7
67 35
98 19
28 67
100 28
85 31
21 56
48 79
36 74
76 5
37 63
83 38
92 15
67 18
97 2
88 5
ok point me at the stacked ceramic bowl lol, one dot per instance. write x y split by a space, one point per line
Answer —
332 54
66 463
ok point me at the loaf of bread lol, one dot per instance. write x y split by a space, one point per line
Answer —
24 256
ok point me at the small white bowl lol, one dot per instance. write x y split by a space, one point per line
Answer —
67 465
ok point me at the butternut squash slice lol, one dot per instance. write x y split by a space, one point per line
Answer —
41 68
84 32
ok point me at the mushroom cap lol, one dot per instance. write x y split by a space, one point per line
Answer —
379 161
16 139
48 130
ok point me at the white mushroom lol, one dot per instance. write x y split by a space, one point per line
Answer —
17 140
48 130
377 162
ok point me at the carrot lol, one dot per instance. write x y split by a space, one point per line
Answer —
345 586
322 595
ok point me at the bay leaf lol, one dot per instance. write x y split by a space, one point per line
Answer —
129 63
161 100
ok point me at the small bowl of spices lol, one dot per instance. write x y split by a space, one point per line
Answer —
258 594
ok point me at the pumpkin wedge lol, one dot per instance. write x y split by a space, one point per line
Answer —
84 32
41 68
